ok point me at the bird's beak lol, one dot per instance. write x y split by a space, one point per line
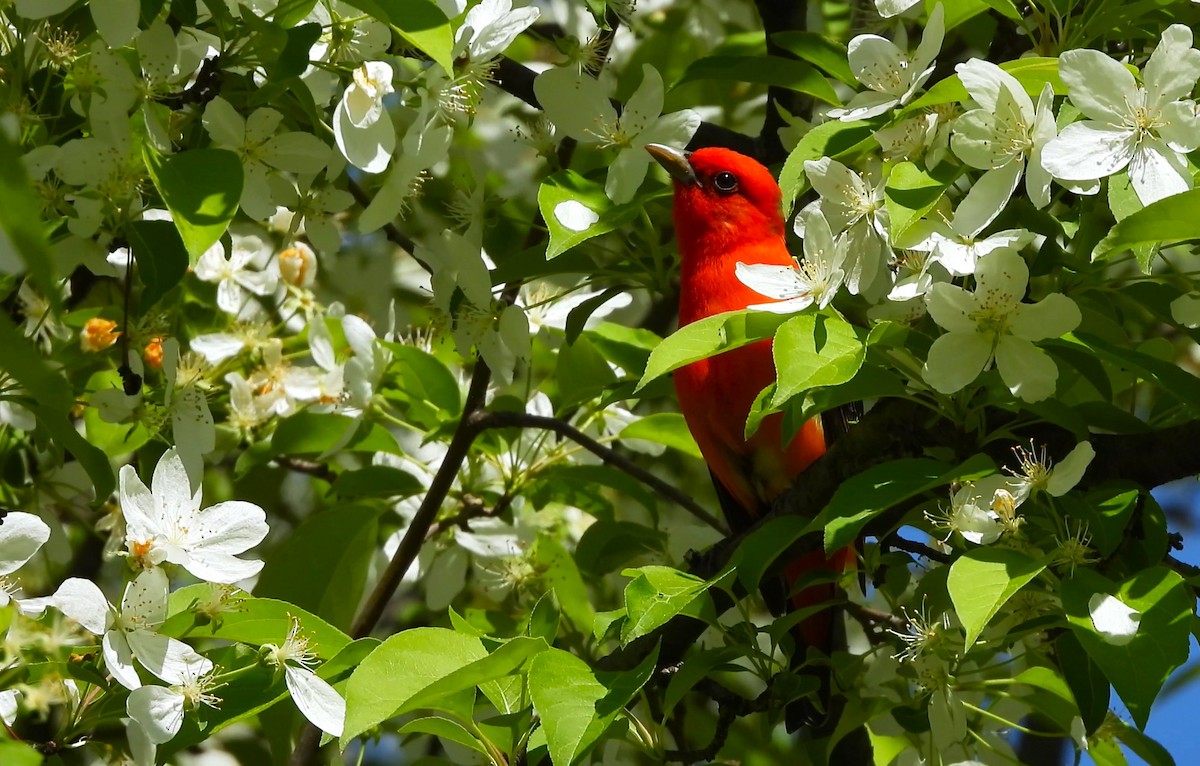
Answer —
677 163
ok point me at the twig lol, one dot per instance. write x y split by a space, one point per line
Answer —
606 454
874 617
310 467
394 234
915 548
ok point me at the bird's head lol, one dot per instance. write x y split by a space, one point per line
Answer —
722 198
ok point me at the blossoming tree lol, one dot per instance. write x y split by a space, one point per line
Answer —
334 414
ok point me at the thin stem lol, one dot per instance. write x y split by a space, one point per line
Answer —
608 455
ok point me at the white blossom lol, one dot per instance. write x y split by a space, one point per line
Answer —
993 324
130 634
856 208
490 27
578 105
263 152
891 75
361 125
1148 129
233 275
317 700
1005 137
168 525
816 279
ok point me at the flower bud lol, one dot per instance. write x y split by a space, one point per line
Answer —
153 353
298 265
98 334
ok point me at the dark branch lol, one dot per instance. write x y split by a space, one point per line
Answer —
780 16
607 454
897 429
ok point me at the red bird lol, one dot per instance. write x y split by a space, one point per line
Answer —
727 210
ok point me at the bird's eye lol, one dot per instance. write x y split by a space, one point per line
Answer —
725 182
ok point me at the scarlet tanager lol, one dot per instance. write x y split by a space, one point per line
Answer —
727 210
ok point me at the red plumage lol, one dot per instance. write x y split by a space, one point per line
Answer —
727 210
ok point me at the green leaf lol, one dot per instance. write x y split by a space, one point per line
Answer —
695 668
201 188
161 258
1089 687
912 192
451 731
289 13
419 22
18 753
565 692
322 565
307 433
377 481
982 580
820 51
1164 222
1138 669
666 428
870 493
582 373
1173 379
708 337
399 668
512 657
1033 74
22 227
204 611
559 572
50 399
813 350
576 209
835 139
655 595
608 545
764 70
424 379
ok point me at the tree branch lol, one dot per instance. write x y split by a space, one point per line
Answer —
607 454
780 16
897 429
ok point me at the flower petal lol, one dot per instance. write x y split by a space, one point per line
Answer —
1028 371
1001 278
21 536
987 198
956 359
367 148
118 658
229 527
577 104
1089 150
317 700
158 710
1069 471
79 599
574 215
1051 317
984 81
1102 89
1157 171
167 658
951 307
172 487
770 280
1173 68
